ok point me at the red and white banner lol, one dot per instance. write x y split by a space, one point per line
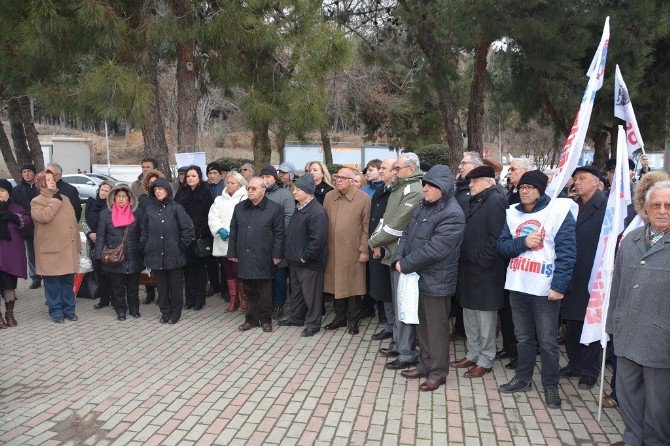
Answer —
613 225
573 146
623 109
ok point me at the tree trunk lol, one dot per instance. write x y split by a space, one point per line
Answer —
327 147
27 118
476 105
17 131
261 144
10 160
187 86
153 130
280 140
600 150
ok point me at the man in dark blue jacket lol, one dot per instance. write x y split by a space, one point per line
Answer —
539 239
306 252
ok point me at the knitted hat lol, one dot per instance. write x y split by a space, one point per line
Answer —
305 183
269 170
30 166
41 180
6 185
224 167
213 166
535 178
481 172
611 164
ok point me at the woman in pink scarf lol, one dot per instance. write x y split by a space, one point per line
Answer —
122 218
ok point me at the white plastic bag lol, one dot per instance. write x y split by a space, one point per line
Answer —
408 298
85 262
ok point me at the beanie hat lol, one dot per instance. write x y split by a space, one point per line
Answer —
183 169
481 172
213 166
30 166
269 170
6 185
534 178
305 183
611 164
224 167
41 180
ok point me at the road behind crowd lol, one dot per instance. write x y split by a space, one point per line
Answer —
99 381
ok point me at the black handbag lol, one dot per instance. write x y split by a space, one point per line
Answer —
203 247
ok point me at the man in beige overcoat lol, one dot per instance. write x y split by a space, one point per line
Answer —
348 210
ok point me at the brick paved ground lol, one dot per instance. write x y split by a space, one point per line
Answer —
99 381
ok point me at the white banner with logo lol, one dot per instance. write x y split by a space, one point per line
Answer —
623 109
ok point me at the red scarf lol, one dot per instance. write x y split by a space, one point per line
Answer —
122 216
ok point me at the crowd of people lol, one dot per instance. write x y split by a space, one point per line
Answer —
487 255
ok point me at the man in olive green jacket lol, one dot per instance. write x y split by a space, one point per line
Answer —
406 192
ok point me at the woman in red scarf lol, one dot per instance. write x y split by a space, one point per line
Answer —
122 218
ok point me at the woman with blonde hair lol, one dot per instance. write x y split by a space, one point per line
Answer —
322 181
220 215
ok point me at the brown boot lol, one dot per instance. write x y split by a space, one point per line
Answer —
231 284
9 315
244 303
3 324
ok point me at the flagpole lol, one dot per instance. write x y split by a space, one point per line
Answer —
602 384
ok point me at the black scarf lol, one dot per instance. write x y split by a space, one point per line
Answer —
93 209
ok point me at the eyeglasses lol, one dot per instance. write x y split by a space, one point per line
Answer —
462 163
252 188
246 170
525 187
512 169
340 177
398 168
656 206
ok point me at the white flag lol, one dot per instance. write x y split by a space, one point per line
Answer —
573 146
623 109
613 224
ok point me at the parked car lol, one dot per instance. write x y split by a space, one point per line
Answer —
87 183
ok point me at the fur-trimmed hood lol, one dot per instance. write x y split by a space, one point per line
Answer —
149 174
131 196
643 186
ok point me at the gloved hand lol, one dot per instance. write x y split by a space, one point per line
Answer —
224 234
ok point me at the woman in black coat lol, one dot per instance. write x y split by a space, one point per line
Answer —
378 274
122 218
94 206
167 232
196 199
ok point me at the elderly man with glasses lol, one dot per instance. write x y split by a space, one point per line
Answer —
348 210
406 193
248 171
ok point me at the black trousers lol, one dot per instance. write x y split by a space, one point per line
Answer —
347 309
306 296
582 359
259 295
459 328
170 295
103 291
211 266
125 290
195 278
507 327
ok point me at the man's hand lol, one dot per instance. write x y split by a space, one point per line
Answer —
363 257
555 295
533 240
232 259
377 252
276 261
397 267
92 236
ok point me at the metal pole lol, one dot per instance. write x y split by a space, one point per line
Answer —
109 166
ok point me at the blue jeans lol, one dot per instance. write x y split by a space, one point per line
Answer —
536 315
59 291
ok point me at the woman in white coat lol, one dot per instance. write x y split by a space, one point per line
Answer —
219 218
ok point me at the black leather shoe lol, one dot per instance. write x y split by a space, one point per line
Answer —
502 354
335 325
35 285
307 332
188 306
164 320
397 364
389 352
211 291
135 314
516 385
121 317
172 321
511 365
353 329
382 335
100 305
59 320
551 398
289 323
71 317
567 373
197 308
586 382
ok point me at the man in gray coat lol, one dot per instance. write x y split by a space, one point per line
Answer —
639 321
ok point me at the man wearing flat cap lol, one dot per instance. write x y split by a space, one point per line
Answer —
481 271
583 360
286 175
539 239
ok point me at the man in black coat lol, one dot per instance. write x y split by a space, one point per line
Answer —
481 272
256 244
583 360
22 195
378 273
306 251
66 189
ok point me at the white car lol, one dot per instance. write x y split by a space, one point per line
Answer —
87 183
